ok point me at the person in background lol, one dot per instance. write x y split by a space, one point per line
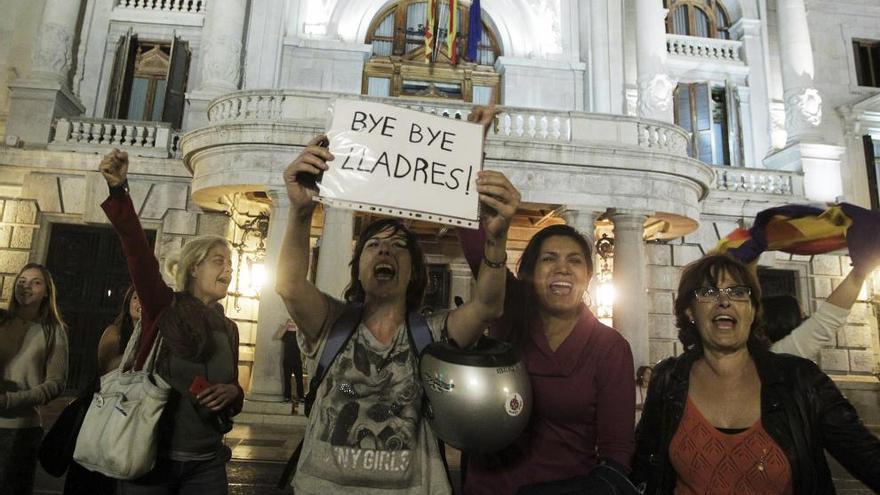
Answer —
791 333
643 378
728 416
117 334
33 361
291 362
79 480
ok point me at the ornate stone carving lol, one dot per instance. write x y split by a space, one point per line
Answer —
222 62
52 50
655 94
804 106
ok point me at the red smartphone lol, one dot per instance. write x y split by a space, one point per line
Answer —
198 385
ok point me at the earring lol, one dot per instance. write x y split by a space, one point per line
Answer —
587 299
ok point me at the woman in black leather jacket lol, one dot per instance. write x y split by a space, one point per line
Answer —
729 416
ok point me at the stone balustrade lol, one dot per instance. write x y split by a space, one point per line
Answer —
186 6
151 139
759 181
513 123
706 48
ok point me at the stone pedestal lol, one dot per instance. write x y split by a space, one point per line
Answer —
820 163
542 83
34 106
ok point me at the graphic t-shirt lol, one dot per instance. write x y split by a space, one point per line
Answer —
366 433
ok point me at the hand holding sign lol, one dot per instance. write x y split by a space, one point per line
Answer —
484 116
300 176
500 200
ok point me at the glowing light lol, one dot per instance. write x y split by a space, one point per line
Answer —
605 295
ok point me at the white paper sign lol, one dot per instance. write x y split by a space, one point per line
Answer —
403 163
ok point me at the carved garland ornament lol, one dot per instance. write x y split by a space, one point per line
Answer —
52 49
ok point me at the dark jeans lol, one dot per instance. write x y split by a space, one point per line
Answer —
180 478
18 459
292 363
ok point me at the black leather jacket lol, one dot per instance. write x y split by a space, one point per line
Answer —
801 409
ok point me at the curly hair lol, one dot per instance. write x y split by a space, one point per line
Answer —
708 271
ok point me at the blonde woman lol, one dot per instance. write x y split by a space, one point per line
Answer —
199 355
33 360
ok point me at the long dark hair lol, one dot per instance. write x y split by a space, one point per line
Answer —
124 322
418 280
782 314
49 315
526 275
640 375
709 270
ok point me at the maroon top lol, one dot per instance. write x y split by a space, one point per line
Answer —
155 296
584 397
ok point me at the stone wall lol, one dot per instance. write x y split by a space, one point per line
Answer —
18 221
853 352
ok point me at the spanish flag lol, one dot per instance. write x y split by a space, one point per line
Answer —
452 32
430 30
806 230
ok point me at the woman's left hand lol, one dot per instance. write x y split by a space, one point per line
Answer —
217 397
502 200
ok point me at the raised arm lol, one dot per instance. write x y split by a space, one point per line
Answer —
143 267
499 200
305 303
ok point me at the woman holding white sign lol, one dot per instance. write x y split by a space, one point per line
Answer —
366 434
581 372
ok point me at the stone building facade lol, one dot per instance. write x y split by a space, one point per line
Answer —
662 124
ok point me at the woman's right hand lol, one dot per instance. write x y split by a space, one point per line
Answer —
300 176
114 167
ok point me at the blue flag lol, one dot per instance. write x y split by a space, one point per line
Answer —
475 31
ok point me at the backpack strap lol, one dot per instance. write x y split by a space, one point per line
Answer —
419 333
340 333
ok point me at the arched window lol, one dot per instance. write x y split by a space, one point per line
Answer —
703 18
398 67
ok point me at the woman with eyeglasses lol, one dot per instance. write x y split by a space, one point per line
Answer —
729 416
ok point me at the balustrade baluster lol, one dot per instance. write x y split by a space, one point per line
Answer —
151 137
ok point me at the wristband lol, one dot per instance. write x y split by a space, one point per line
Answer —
495 264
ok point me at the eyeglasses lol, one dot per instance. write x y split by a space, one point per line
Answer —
712 294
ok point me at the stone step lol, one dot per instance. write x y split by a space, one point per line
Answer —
276 413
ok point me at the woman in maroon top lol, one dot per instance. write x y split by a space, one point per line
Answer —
581 370
199 352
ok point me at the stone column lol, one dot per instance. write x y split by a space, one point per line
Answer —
220 58
335 252
655 85
603 20
749 32
44 93
266 381
803 104
583 220
630 274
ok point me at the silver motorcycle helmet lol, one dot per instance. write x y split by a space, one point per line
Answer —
480 398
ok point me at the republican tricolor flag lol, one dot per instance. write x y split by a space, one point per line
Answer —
807 230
